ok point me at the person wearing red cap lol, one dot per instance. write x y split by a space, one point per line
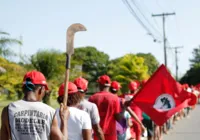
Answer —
115 87
133 87
79 123
108 106
123 125
29 118
127 113
90 108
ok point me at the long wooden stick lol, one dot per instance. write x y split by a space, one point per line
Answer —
70 50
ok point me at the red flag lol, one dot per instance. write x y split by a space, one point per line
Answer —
162 96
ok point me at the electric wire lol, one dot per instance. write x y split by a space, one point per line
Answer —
147 20
132 11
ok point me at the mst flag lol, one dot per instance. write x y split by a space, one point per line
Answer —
162 96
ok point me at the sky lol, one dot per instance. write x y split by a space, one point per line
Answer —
111 27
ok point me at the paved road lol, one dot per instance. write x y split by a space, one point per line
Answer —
187 128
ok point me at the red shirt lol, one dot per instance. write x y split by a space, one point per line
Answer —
136 109
108 104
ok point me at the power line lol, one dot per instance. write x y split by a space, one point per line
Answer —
178 29
176 58
170 52
135 15
163 15
146 8
135 4
171 55
127 4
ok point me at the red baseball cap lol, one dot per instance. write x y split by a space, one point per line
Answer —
104 80
72 88
36 77
81 84
115 85
133 85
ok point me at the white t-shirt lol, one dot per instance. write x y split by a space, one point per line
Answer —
30 120
78 120
91 109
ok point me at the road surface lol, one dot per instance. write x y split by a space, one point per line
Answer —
187 128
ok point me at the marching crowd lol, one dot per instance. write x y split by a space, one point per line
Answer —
104 116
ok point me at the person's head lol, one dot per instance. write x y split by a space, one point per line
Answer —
185 86
133 86
74 97
115 87
34 85
104 83
143 82
82 85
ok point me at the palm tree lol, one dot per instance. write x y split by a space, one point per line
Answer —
5 40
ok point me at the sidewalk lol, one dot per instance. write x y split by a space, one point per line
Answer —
187 128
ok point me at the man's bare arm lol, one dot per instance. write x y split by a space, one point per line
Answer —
87 134
132 113
98 131
5 131
56 133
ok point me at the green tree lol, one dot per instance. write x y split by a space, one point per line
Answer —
196 57
192 76
5 41
127 68
52 64
150 61
11 80
48 62
94 62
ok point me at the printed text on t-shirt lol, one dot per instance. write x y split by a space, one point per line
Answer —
30 122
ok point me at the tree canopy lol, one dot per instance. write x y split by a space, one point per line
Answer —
94 62
52 64
47 61
196 57
11 80
192 76
150 61
128 68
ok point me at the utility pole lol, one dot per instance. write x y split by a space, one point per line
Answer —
176 58
164 36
